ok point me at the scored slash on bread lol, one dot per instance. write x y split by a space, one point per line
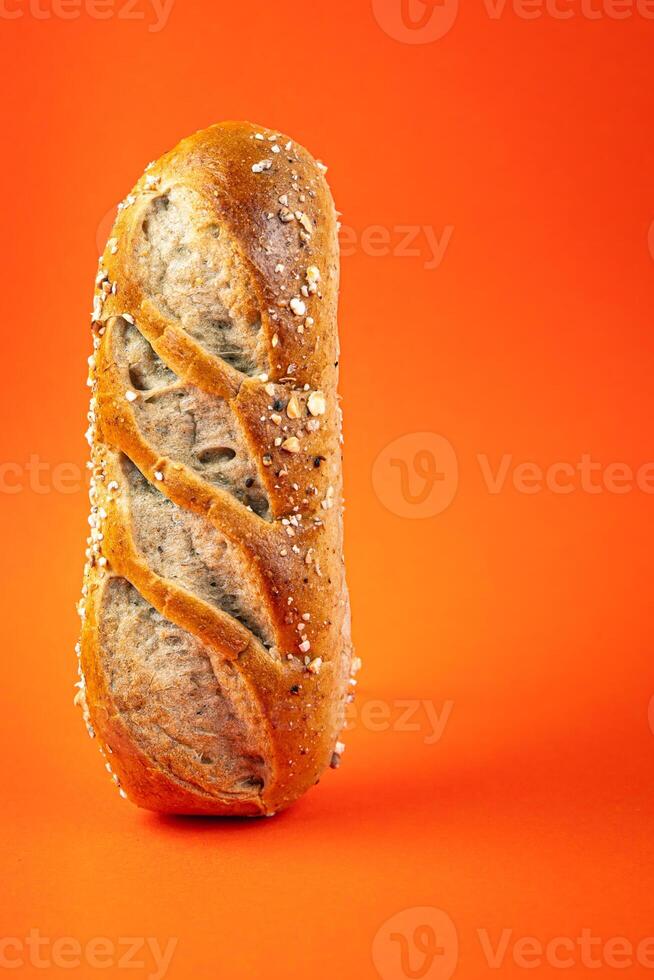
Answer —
215 653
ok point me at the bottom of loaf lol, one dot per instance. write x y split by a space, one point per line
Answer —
179 724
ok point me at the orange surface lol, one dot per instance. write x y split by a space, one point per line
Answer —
515 799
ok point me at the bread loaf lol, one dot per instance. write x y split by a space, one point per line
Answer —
215 654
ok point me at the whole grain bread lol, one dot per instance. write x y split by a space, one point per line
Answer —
215 654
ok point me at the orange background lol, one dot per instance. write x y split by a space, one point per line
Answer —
530 613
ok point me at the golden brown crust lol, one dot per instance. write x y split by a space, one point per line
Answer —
279 218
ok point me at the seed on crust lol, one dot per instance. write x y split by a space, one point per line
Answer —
298 306
317 404
293 409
